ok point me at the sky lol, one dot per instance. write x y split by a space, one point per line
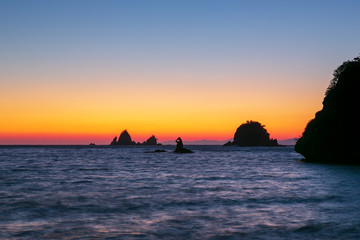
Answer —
75 72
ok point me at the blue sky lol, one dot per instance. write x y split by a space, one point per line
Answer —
168 33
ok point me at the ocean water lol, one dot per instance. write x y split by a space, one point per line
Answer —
95 192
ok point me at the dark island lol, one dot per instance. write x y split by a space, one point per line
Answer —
333 135
125 139
251 134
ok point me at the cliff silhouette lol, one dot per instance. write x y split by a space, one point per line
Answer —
125 139
252 133
333 135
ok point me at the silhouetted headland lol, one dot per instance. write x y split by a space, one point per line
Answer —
333 135
180 147
252 133
125 139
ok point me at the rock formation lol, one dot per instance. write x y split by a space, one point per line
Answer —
151 141
125 139
114 141
333 135
180 147
252 133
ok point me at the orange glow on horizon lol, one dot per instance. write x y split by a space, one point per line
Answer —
82 136
98 112
99 126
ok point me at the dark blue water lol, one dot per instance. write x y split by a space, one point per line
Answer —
215 193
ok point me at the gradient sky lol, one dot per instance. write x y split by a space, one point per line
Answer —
74 72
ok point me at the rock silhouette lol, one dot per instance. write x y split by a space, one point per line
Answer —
125 139
151 141
229 143
156 151
179 144
333 135
114 141
252 133
180 147
159 150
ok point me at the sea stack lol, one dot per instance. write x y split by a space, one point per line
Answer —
180 147
151 141
333 135
124 139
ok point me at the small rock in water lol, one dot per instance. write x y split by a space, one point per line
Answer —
159 150
156 151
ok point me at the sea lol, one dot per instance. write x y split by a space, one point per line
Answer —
104 192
